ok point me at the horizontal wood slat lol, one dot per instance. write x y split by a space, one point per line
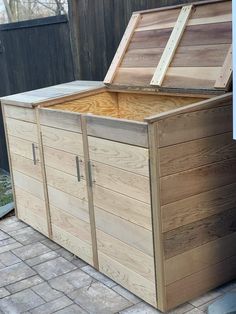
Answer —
123 156
197 153
63 140
24 130
26 166
191 182
199 124
62 120
125 231
201 282
20 113
197 207
199 258
187 237
22 148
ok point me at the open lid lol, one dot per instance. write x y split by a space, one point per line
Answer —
186 48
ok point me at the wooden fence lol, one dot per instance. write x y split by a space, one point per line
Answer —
97 28
33 54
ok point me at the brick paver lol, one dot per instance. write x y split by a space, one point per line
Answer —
38 276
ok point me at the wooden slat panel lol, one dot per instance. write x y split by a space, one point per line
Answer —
184 156
26 166
127 278
195 260
133 133
188 183
199 124
73 244
188 56
198 233
37 222
20 113
203 14
225 78
21 129
63 140
201 282
128 256
22 148
123 156
62 120
66 183
59 159
28 184
121 181
134 76
123 206
171 45
127 232
191 77
77 227
198 207
122 48
31 203
68 203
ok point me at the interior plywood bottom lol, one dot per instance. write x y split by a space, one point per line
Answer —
131 106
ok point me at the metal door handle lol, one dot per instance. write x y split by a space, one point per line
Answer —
34 154
90 175
78 168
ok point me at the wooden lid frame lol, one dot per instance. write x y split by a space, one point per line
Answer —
181 49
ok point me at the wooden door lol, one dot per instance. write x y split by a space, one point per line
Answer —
26 166
67 189
121 195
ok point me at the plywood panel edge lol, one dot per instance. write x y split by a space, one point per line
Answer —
156 216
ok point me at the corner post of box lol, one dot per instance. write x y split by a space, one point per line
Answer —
154 166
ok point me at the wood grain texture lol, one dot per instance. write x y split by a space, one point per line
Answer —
26 166
199 258
100 104
130 132
123 206
21 129
66 183
62 120
201 282
22 148
128 256
67 141
199 124
73 244
123 156
196 153
187 237
138 106
121 181
197 207
69 204
225 78
61 160
127 278
125 231
71 224
37 222
28 184
191 182
20 113
31 203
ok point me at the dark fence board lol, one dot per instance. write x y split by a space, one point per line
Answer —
36 54
97 28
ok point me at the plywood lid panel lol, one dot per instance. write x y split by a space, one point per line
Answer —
201 56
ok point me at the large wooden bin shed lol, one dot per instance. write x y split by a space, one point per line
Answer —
137 176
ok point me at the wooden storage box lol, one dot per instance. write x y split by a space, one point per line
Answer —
138 177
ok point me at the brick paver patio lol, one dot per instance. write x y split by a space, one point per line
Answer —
38 276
